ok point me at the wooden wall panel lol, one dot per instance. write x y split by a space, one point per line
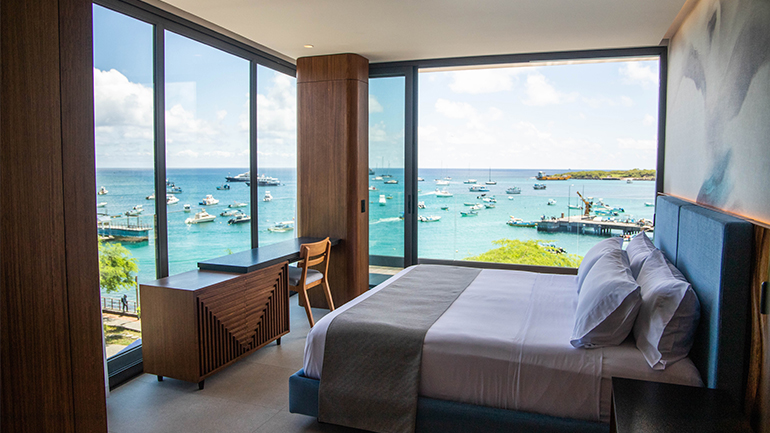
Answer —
42 275
332 151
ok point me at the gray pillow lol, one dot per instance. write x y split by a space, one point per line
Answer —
608 304
638 250
668 318
594 254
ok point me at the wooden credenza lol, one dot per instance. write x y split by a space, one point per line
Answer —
198 322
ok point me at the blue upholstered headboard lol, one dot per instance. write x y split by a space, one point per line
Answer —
713 251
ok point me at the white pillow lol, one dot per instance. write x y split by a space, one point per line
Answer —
665 327
638 250
594 254
608 304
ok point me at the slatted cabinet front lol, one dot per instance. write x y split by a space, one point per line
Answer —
191 332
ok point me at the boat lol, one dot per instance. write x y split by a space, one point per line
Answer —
382 200
237 205
391 182
268 196
489 200
470 181
490 181
230 212
372 188
239 218
489 205
171 199
428 219
421 205
478 188
209 201
469 204
263 180
574 206
371 172
102 204
151 197
538 186
477 207
513 190
243 177
377 178
518 222
280 227
510 198
390 197
419 179
629 181
469 213
138 209
649 203
187 208
173 189
542 176
387 176
200 217
224 187
551 202
102 191
444 207
443 193
442 182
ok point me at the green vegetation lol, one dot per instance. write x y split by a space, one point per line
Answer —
531 252
620 174
116 267
120 336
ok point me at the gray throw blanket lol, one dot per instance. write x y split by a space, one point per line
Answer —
371 367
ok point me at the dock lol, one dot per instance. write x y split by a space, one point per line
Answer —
592 225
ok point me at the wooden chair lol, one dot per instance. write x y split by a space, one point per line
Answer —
302 277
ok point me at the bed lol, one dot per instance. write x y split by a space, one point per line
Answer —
711 249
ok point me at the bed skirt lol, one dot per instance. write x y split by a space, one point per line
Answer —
442 416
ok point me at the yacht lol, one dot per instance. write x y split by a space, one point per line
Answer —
428 219
230 213
442 182
478 188
538 186
171 199
443 193
444 207
239 218
518 222
187 208
489 199
382 200
173 189
243 177
282 227
551 202
237 205
574 206
377 178
489 205
102 191
513 190
138 209
209 201
477 207
263 180
649 203
200 217
268 196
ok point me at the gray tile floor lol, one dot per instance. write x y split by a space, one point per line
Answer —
250 396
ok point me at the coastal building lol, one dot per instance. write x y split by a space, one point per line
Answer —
712 148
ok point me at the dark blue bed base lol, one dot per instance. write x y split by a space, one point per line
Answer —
712 249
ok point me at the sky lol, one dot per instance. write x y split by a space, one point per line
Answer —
578 116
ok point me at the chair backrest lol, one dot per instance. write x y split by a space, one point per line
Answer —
314 253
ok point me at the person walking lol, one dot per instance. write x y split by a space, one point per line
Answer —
124 302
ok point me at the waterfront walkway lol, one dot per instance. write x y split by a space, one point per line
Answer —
583 225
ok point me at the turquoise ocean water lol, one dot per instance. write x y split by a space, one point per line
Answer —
453 237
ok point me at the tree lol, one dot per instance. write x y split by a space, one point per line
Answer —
530 252
116 267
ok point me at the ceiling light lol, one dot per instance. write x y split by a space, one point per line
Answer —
308 46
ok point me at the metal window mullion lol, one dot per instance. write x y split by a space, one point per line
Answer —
253 161
410 159
662 89
161 212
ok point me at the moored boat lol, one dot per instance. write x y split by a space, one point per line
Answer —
382 200
187 208
102 191
268 196
421 205
428 219
102 204
200 217
391 182
280 227
239 218
138 209
243 177
469 213
237 205
538 186
230 212
551 202
209 200
513 190
171 199
443 193
469 181
224 187
478 188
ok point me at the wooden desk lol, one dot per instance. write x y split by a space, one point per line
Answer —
650 407
257 258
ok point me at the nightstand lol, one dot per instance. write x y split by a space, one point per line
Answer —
650 407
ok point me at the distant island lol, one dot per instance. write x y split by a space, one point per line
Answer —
634 174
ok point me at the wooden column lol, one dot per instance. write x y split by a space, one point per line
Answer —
332 169
51 354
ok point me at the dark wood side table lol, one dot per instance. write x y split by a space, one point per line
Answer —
650 407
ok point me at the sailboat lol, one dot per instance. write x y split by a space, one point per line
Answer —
490 181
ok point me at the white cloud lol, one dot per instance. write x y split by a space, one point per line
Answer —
374 105
626 101
187 153
475 81
637 73
540 92
377 133
221 114
118 101
649 120
455 110
632 143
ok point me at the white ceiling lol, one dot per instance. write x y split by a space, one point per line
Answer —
390 30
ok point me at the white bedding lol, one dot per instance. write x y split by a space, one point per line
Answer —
505 343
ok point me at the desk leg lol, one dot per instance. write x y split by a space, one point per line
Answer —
200 384
278 341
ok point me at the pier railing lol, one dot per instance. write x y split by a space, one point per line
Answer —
115 305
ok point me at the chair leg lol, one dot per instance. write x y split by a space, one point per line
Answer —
302 292
328 294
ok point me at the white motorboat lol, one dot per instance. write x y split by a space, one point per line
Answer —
171 199
200 217
377 178
443 193
239 218
649 203
489 205
489 199
187 208
268 196
282 226
391 182
420 205
478 188
551 202
510 198
574 206
470 181
383 202
513 190
243 177
151 197
442 182
236 204
372 188
469 213
477 207
102 191
209 201
419 179
428 219
263 180
138 209
230 213
102 204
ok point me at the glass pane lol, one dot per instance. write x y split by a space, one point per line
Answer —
123 114
207 141
485 134
277 150
386 170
